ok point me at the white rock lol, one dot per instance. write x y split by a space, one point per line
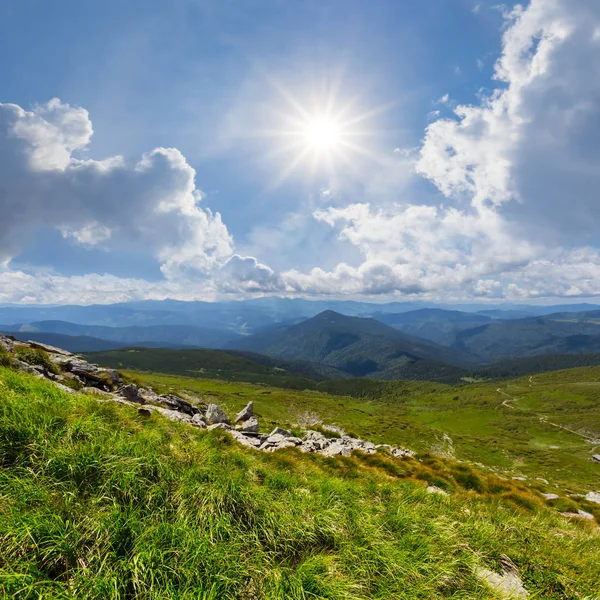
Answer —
246 413
550 496
432 489
593 497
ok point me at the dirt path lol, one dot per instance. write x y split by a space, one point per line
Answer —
589 439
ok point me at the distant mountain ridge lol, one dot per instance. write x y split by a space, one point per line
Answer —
166 335
361 347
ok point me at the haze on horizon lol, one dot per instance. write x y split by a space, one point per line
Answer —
201 150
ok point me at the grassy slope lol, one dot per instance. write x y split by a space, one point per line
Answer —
467 420
100 503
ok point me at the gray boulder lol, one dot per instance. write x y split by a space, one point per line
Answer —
249 425
214 415
132 393
198 421
246 413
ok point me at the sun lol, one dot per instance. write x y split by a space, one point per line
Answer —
323 133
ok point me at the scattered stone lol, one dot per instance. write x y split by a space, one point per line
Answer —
520 478
593 497
249 425
550 496
221 425
596 458
173 402
280 431
246 413
432 489
215 415
542 480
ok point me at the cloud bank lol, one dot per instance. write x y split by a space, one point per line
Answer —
516 175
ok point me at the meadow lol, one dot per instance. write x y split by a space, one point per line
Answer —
100 502
511 427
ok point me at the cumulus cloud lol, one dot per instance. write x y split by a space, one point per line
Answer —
152 202
519 172
246 274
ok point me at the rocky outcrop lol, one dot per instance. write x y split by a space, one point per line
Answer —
75 375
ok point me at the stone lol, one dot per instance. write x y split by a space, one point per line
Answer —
132 393
249 425
596 458
550 496
275 438
246 413
144 412
507 585
214 415
580 514
92 391
48 348
176 403
198 420
337 448
280 431
224 426
593 497
432 489
6 343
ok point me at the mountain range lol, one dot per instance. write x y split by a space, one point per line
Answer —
419 343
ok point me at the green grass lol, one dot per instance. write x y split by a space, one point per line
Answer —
468 420
97 502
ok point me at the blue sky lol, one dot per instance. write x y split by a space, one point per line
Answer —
451 122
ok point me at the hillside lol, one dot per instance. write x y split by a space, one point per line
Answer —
101 500
215 364
360 347
168 336
529 337
434 324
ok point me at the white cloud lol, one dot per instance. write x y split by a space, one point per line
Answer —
520 173
153 202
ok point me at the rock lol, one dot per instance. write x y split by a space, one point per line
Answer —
246 413
337 448
280 431
174 402
221 425
580 514
48 348
92 391
593 497
432 489
214 415
550 496
172 415
198 421
144 412
275 438
6 343
596 458
132 393
507 585
249 426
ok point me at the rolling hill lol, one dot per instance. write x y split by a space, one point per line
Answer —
359 347
433 324
529 337
229 365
